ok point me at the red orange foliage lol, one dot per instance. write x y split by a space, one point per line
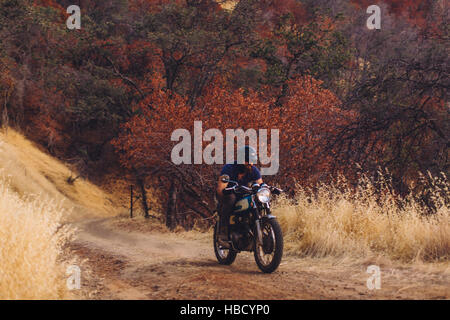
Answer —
310 115
415 11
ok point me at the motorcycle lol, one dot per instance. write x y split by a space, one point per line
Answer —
252 227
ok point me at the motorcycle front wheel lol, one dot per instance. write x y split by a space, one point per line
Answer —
268 254
223 255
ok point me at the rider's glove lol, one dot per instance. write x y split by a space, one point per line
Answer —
255 187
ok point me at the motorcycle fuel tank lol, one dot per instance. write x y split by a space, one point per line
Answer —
243 205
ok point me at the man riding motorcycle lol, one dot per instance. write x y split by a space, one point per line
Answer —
245 174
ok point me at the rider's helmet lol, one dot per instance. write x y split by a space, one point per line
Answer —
248 154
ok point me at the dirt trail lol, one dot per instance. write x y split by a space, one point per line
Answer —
132 265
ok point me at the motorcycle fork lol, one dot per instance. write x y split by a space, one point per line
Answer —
258 221
258 232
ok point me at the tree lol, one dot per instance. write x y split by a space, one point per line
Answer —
195 40
295 49
398 87
305 124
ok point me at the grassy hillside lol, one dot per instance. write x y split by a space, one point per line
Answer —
31 171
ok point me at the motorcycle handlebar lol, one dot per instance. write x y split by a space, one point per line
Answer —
236 188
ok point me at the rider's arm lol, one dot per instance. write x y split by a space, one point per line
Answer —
224 173
220 186
257 176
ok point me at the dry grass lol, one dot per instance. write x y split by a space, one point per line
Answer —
119 189
337 222
31 171
31 240
35 201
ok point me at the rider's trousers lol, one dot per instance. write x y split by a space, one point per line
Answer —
226 205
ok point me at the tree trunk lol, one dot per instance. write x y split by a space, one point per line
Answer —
141 185
4 121
171 221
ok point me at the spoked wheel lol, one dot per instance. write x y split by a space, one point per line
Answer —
224 256
268 255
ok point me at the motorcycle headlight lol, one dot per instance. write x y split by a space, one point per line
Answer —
263 195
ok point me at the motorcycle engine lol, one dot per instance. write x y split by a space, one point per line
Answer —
240 237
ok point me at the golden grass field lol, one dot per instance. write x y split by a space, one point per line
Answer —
339 222
35 202
30 247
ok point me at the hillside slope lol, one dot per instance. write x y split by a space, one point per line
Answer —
31 171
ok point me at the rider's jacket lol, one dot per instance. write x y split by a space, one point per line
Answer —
232 171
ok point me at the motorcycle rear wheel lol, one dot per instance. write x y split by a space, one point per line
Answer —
224 256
